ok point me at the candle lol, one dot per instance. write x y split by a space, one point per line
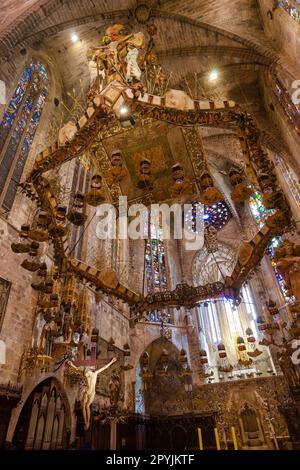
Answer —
200 439
235 445
217 439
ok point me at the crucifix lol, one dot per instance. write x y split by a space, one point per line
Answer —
90 378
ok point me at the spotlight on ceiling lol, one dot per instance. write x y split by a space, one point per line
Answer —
74 37
213 75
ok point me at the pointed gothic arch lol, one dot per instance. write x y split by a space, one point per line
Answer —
44 421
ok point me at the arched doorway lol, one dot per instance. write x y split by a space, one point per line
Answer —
44 422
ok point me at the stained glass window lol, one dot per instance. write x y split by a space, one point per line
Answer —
260 214
275 242
290 178
216 215
155 270
18 128
155 266
291 6
221 324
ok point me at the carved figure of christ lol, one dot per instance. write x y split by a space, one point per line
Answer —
89 389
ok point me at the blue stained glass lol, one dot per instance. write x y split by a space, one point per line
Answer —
19 125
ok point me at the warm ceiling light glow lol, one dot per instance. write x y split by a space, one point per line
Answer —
124 110
213 75
74 37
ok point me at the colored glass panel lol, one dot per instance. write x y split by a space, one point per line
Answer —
291 6
258 210
260 214
19 124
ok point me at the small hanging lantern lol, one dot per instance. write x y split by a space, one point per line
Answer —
111 345
241 344
183 356
145 174
58 227
95 335
49 287
42 271
117 172
95 196
177 173
266 183
180 186
250 337
272 308
77 213
39 230
53 300
241 191
262 325
31 264
209 195
22 246
126 349
203 357
222 351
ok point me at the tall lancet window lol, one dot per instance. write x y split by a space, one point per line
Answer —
260 214
228 333
290 178
155 269
18 128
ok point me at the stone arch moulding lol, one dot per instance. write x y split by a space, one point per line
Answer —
30 389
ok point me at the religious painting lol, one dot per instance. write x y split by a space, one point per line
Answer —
4 294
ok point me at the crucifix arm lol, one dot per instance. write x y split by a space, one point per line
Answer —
70 364
106 366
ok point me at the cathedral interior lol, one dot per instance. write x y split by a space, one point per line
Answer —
125 330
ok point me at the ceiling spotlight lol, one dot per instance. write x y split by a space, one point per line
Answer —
124 110
213 75
74 37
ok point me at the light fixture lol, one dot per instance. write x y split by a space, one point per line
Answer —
125 117
124 110
213 75
74 37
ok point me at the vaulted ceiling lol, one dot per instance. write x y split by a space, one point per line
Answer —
226 35
193 37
